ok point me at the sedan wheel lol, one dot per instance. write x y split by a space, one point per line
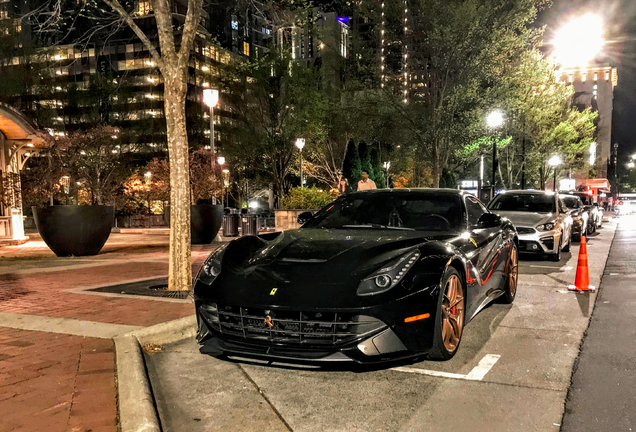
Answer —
450 322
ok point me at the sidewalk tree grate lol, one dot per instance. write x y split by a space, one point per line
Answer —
156 287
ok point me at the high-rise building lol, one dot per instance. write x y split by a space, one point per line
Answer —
594 88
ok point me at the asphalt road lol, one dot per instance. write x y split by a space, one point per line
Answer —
511 373
603 392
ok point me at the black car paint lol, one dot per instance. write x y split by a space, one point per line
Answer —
320 270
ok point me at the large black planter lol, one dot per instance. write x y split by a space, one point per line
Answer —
206 220
74 230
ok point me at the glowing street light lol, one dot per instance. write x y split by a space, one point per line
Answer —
630 165
221 160
495 119
300 143
579 41
554 162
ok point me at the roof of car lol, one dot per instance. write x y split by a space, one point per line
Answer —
526 191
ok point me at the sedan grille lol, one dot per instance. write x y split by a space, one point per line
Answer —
523 230
292 327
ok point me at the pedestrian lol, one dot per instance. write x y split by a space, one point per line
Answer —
366 183
343 187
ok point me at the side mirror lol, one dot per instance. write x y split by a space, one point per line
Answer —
304 217
489 220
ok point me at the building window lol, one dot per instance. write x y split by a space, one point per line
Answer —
143 8
570 78
246 48
595 76
607 76
584 77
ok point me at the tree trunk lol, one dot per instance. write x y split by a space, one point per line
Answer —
180 266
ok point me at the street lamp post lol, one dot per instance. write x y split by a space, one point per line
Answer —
386 166
221 161
554 162
300 143
494 120
211 98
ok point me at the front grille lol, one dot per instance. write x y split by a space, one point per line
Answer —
523 230
292 327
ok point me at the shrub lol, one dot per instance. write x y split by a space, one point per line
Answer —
306 198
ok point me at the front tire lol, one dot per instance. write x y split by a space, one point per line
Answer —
512 275
449 325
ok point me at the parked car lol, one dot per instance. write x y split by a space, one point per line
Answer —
374 276
541 218
596 213
582 220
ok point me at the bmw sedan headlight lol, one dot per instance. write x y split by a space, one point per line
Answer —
546 227
388 276
212 266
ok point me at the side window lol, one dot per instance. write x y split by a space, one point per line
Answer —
562 206
474 210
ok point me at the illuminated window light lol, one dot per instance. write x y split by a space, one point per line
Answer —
205 68
584 77
607 76
570 78
595 76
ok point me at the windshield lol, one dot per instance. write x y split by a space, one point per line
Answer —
571 202
415 211
535 203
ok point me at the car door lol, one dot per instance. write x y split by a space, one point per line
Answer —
490 257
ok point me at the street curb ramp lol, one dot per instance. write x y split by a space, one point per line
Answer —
136 404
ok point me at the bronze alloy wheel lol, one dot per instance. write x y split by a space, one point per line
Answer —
452 313
513 272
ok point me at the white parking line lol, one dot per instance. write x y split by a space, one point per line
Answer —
476 374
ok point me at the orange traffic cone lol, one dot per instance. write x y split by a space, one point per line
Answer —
582 281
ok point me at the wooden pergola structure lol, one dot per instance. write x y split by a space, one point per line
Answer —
19 139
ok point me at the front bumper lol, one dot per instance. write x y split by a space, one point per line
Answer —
377 336
542 242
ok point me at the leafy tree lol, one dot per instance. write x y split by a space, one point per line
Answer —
378 170
274 101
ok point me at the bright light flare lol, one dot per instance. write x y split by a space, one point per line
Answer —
495 119
555 161
579 41
210 97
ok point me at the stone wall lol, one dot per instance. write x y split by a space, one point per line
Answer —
286 219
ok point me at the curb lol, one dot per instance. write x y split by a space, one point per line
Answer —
136 404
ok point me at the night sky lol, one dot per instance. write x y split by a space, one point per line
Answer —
620 20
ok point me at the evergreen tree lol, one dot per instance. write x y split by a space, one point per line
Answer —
378 170
351 167
365 159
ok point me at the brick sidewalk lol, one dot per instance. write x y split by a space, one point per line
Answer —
59 382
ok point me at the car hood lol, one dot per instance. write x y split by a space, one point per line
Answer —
312 268
526 219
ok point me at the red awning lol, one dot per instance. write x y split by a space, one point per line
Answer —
603 185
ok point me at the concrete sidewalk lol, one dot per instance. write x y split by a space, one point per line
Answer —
603 392
57 358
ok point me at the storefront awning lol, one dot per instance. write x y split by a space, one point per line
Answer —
603 185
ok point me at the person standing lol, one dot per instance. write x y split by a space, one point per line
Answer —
366 183
343 187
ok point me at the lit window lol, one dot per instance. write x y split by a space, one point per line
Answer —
246 48
607 76
595 76
570 78
143 8
584 77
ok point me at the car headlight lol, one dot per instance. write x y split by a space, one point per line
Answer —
212 266
388 276
545 227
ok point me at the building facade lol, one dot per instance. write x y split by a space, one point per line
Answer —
594 88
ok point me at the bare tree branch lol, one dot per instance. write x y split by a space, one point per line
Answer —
139 32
